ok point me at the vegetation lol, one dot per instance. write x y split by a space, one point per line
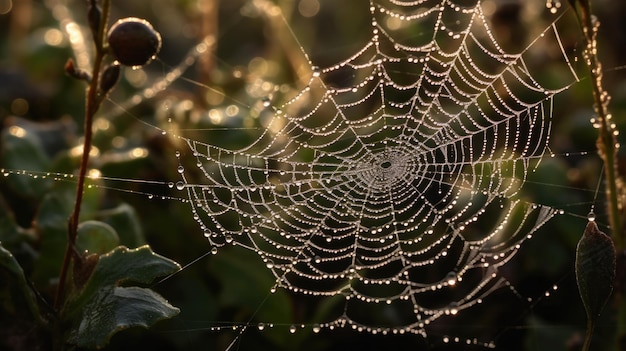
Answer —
80 285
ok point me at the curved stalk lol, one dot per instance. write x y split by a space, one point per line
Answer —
92 103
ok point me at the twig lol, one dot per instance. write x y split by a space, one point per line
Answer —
608 148
606 144
92 103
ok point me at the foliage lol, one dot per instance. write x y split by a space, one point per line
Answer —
94 306
229 286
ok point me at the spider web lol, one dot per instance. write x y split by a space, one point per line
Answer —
393 178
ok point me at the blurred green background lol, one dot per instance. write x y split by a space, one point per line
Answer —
41 126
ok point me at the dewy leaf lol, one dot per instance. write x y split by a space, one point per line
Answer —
112 310
103 308
139 265
595 269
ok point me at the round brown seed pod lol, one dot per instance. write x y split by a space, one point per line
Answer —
133 41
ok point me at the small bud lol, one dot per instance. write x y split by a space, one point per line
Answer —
109 77
133 41
72 71
94 15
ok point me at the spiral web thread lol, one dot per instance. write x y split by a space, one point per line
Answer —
393 179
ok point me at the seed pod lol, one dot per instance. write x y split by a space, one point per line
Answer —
109 77
133 41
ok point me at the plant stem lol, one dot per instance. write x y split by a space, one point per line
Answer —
608 148
92 103
607 142
588 335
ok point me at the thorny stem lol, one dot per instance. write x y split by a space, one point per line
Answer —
92 103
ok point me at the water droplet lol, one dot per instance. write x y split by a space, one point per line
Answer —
451 278
453 308
170 185
292 329
214 250
266 102
269 264
261 326
180 185
181 169
591 216
316 71
316 328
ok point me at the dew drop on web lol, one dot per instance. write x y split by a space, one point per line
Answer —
591 216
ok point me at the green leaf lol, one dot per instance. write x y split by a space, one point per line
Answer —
116 309
96 237
126 222
51 225
102 308
9 230
140 265
14 289
595 269
22 150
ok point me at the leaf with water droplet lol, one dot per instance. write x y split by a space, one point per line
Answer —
595 269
